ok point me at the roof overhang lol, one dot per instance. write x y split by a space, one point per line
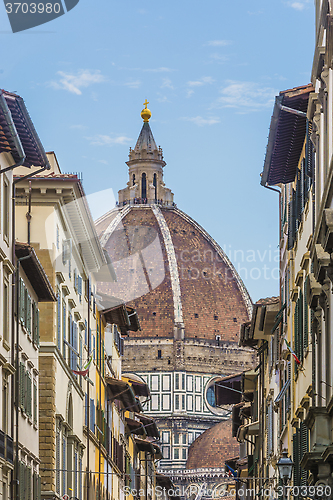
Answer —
34 152
35 272
286 136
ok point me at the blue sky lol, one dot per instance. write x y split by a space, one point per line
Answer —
209 70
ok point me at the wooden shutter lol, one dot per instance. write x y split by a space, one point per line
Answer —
306 314
59 320
22 388
29 395
35 403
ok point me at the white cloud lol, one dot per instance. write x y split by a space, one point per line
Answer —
189 93
108 140
300 5
203 81
218 57
218 43
135 84
75 82
201 122
245 96
166 83
158 70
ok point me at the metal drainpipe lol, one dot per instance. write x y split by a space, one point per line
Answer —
15 481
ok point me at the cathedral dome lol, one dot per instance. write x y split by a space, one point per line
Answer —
173 273
168 268
213 447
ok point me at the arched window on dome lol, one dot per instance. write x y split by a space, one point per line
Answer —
133 179
144 186
155 186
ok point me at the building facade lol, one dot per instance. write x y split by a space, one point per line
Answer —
188 296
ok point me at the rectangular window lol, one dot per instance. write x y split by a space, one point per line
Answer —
5 313
177 402
166 452
176 453
155 382
189 402
184 452
176 438
159 354
155 402
189 383
6 206
166 402
177 381
35 403
197 403
166 383
197 384
183 381
183 401
166 437
190 437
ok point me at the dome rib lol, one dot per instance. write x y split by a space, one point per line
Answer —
173 266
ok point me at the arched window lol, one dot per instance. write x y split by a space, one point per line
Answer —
133 179
155 185
143 186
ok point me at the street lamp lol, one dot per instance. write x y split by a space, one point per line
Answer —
285 467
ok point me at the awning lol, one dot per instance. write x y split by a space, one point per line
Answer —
145 445
35 273
121 391
286 136
282 392
139 387
228 390
164 481
123 316
249 381
149 426
135 427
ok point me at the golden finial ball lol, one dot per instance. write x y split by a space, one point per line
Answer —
146 114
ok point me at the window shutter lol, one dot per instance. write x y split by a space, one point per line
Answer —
304 448
29 395
28 482
296 327
296 458
22 375
22 301
35 403
306 314
37 327
28 305
64 325
75 345
300 326
22 479
59 320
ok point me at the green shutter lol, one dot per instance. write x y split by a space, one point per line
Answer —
22 480
300 326
22 383
35 403
29 395
306 314
28 310
304 448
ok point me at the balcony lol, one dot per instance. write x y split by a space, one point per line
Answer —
6 447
